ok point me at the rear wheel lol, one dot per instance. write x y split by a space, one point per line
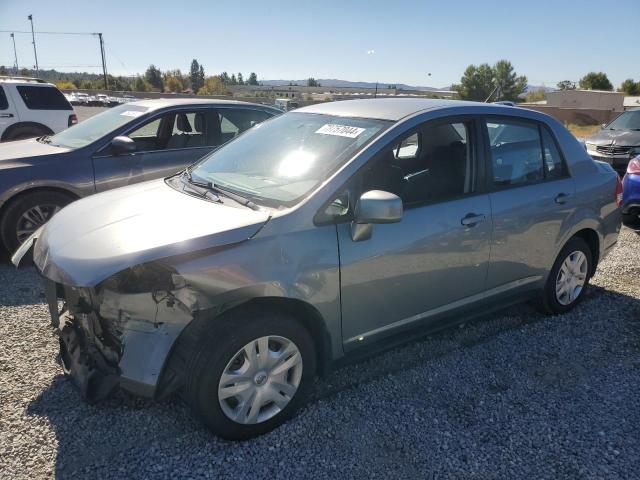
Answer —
27 213
23 133
250 373
569 277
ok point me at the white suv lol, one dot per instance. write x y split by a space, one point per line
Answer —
31 108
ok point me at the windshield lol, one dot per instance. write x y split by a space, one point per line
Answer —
626 121
280 161
97 126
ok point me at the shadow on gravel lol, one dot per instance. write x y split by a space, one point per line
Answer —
467 374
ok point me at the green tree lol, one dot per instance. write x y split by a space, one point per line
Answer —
196 75
233 80
509 85
535 95
253 79
3 70
224 77
64 85
629 87
484 82
173 82
153 76
566 85
240 79
141 85
476 83
596 81
312 82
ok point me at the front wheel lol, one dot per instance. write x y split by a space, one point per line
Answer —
250 373
569 277
27 213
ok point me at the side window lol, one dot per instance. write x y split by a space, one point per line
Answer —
432 164
4 104
553 164
235 121
516 153
178 131
43 98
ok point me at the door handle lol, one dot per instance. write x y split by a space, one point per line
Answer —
471 219
561 198
6 115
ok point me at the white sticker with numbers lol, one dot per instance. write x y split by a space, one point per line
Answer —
340 130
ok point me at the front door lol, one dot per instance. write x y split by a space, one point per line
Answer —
436 258
165 145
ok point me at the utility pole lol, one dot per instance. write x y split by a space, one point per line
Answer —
375 95
33 40
15 55
104 64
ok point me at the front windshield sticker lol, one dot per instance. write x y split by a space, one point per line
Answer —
340 130
131 113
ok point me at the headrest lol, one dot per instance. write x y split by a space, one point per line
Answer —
183 123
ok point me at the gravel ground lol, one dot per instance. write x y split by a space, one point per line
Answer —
518 395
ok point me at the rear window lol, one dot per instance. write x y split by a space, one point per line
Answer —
43 98
3 99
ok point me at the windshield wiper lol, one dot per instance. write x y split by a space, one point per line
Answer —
44 139
217 189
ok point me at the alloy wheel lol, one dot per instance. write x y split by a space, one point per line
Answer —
571 277
260 380
33 219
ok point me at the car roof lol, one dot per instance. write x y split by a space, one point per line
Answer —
181 102
393 108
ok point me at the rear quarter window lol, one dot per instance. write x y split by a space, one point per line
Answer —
3 99
43 98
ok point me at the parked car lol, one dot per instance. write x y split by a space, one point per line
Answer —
617 142
80 98
30 108
631 195
319 236
127 144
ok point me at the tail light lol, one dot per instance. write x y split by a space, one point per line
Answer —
73 119
634 166
618 191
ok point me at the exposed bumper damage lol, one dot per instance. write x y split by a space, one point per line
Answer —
121 332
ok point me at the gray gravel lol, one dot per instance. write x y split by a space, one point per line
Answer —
518 395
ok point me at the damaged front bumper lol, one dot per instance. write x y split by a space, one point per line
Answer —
111 339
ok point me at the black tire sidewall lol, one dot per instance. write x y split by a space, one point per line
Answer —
17 207
223 341
550 299
24 133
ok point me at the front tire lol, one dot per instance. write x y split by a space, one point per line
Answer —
250 372
25 214
569 277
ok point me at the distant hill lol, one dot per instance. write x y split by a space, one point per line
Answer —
336 83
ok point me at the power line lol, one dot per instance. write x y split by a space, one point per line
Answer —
49 33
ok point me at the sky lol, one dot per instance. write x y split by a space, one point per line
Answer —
399 41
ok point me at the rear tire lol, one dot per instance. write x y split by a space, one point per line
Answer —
277 388
15 224
568 279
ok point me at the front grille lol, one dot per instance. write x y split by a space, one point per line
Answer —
613 150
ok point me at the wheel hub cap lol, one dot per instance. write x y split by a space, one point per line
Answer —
572 277
260 380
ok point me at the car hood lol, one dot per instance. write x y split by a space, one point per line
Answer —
623 138
20 149
91 239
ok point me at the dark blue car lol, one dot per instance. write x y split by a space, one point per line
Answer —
631 195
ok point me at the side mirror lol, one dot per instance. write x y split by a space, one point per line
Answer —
374 206
121 145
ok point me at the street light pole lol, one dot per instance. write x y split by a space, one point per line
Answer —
33 40
104 64
15 55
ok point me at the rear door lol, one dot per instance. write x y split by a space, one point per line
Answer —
8 113
532 196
